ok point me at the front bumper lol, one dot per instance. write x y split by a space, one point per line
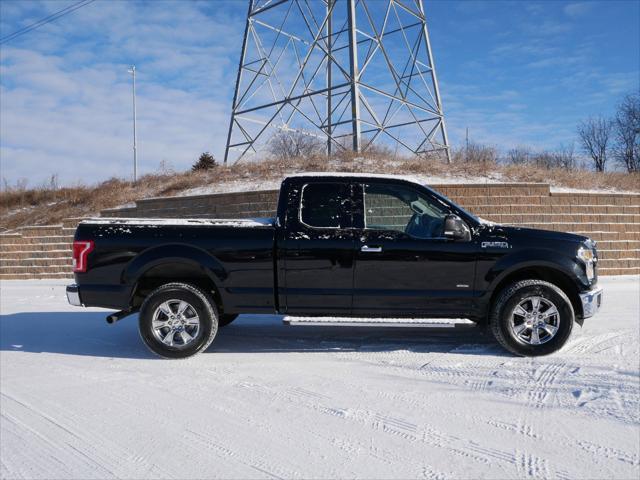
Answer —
591 302
73 295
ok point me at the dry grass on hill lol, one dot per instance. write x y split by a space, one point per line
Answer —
44 206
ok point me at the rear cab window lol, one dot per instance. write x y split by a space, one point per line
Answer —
325 205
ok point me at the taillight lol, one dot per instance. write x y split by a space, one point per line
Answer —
80 252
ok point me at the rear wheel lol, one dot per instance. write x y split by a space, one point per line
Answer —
531 318
178 320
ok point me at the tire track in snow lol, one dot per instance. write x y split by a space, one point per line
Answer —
585 344
520 428
445 367
397 427
609 453
532 466
257 463
57 437
543 390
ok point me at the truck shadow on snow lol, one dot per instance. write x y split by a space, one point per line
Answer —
86 333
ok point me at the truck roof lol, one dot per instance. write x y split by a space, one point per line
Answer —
406 178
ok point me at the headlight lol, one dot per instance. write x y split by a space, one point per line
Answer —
588 256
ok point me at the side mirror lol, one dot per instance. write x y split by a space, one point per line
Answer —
456 229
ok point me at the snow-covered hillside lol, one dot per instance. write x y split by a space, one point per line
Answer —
82 399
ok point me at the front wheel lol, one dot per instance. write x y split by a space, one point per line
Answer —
178 320
532 318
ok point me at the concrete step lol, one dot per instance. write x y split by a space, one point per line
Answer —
616 254
31 276
25 254
606 272
564 218
619 244
470 202
492 189
50 239
12 239
61 263
608 236
619 263
72 223
40 247
39 230
582 227
120 212
62 268
484 210
583 200
577 198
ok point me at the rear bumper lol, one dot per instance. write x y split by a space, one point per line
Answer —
591 302
73 295
105 296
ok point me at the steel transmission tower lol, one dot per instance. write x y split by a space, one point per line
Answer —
345 72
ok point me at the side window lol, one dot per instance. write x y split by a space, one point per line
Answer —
321 205
403 209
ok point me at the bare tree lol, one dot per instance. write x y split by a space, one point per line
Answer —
478 153
543 159
627 133
565 157
293 144
519 155
595 135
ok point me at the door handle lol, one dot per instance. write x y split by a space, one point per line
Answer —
368 249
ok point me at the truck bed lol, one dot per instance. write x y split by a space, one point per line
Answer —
237 254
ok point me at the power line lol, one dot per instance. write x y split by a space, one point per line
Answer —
45 20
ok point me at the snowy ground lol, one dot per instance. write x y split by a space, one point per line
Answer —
83 399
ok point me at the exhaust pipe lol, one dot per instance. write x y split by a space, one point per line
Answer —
114 317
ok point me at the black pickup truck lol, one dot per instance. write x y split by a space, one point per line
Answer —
341 245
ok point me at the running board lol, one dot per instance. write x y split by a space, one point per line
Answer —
377 322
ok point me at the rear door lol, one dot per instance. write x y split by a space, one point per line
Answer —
404 266
318 249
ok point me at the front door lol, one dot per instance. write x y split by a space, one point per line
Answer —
318 250
404 265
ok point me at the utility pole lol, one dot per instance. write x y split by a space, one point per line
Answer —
132 71
466 144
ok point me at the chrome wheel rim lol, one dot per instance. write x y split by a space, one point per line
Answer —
175 323
535 320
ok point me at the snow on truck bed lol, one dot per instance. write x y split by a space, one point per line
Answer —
211 222
82 399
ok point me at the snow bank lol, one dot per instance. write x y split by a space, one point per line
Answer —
81 399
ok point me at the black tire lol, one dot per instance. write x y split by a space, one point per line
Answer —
225 320
510 297
198 301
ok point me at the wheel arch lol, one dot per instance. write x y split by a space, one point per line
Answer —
174 263
546 273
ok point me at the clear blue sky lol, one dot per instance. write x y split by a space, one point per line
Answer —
515 73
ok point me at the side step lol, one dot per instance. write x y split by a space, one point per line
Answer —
379 322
